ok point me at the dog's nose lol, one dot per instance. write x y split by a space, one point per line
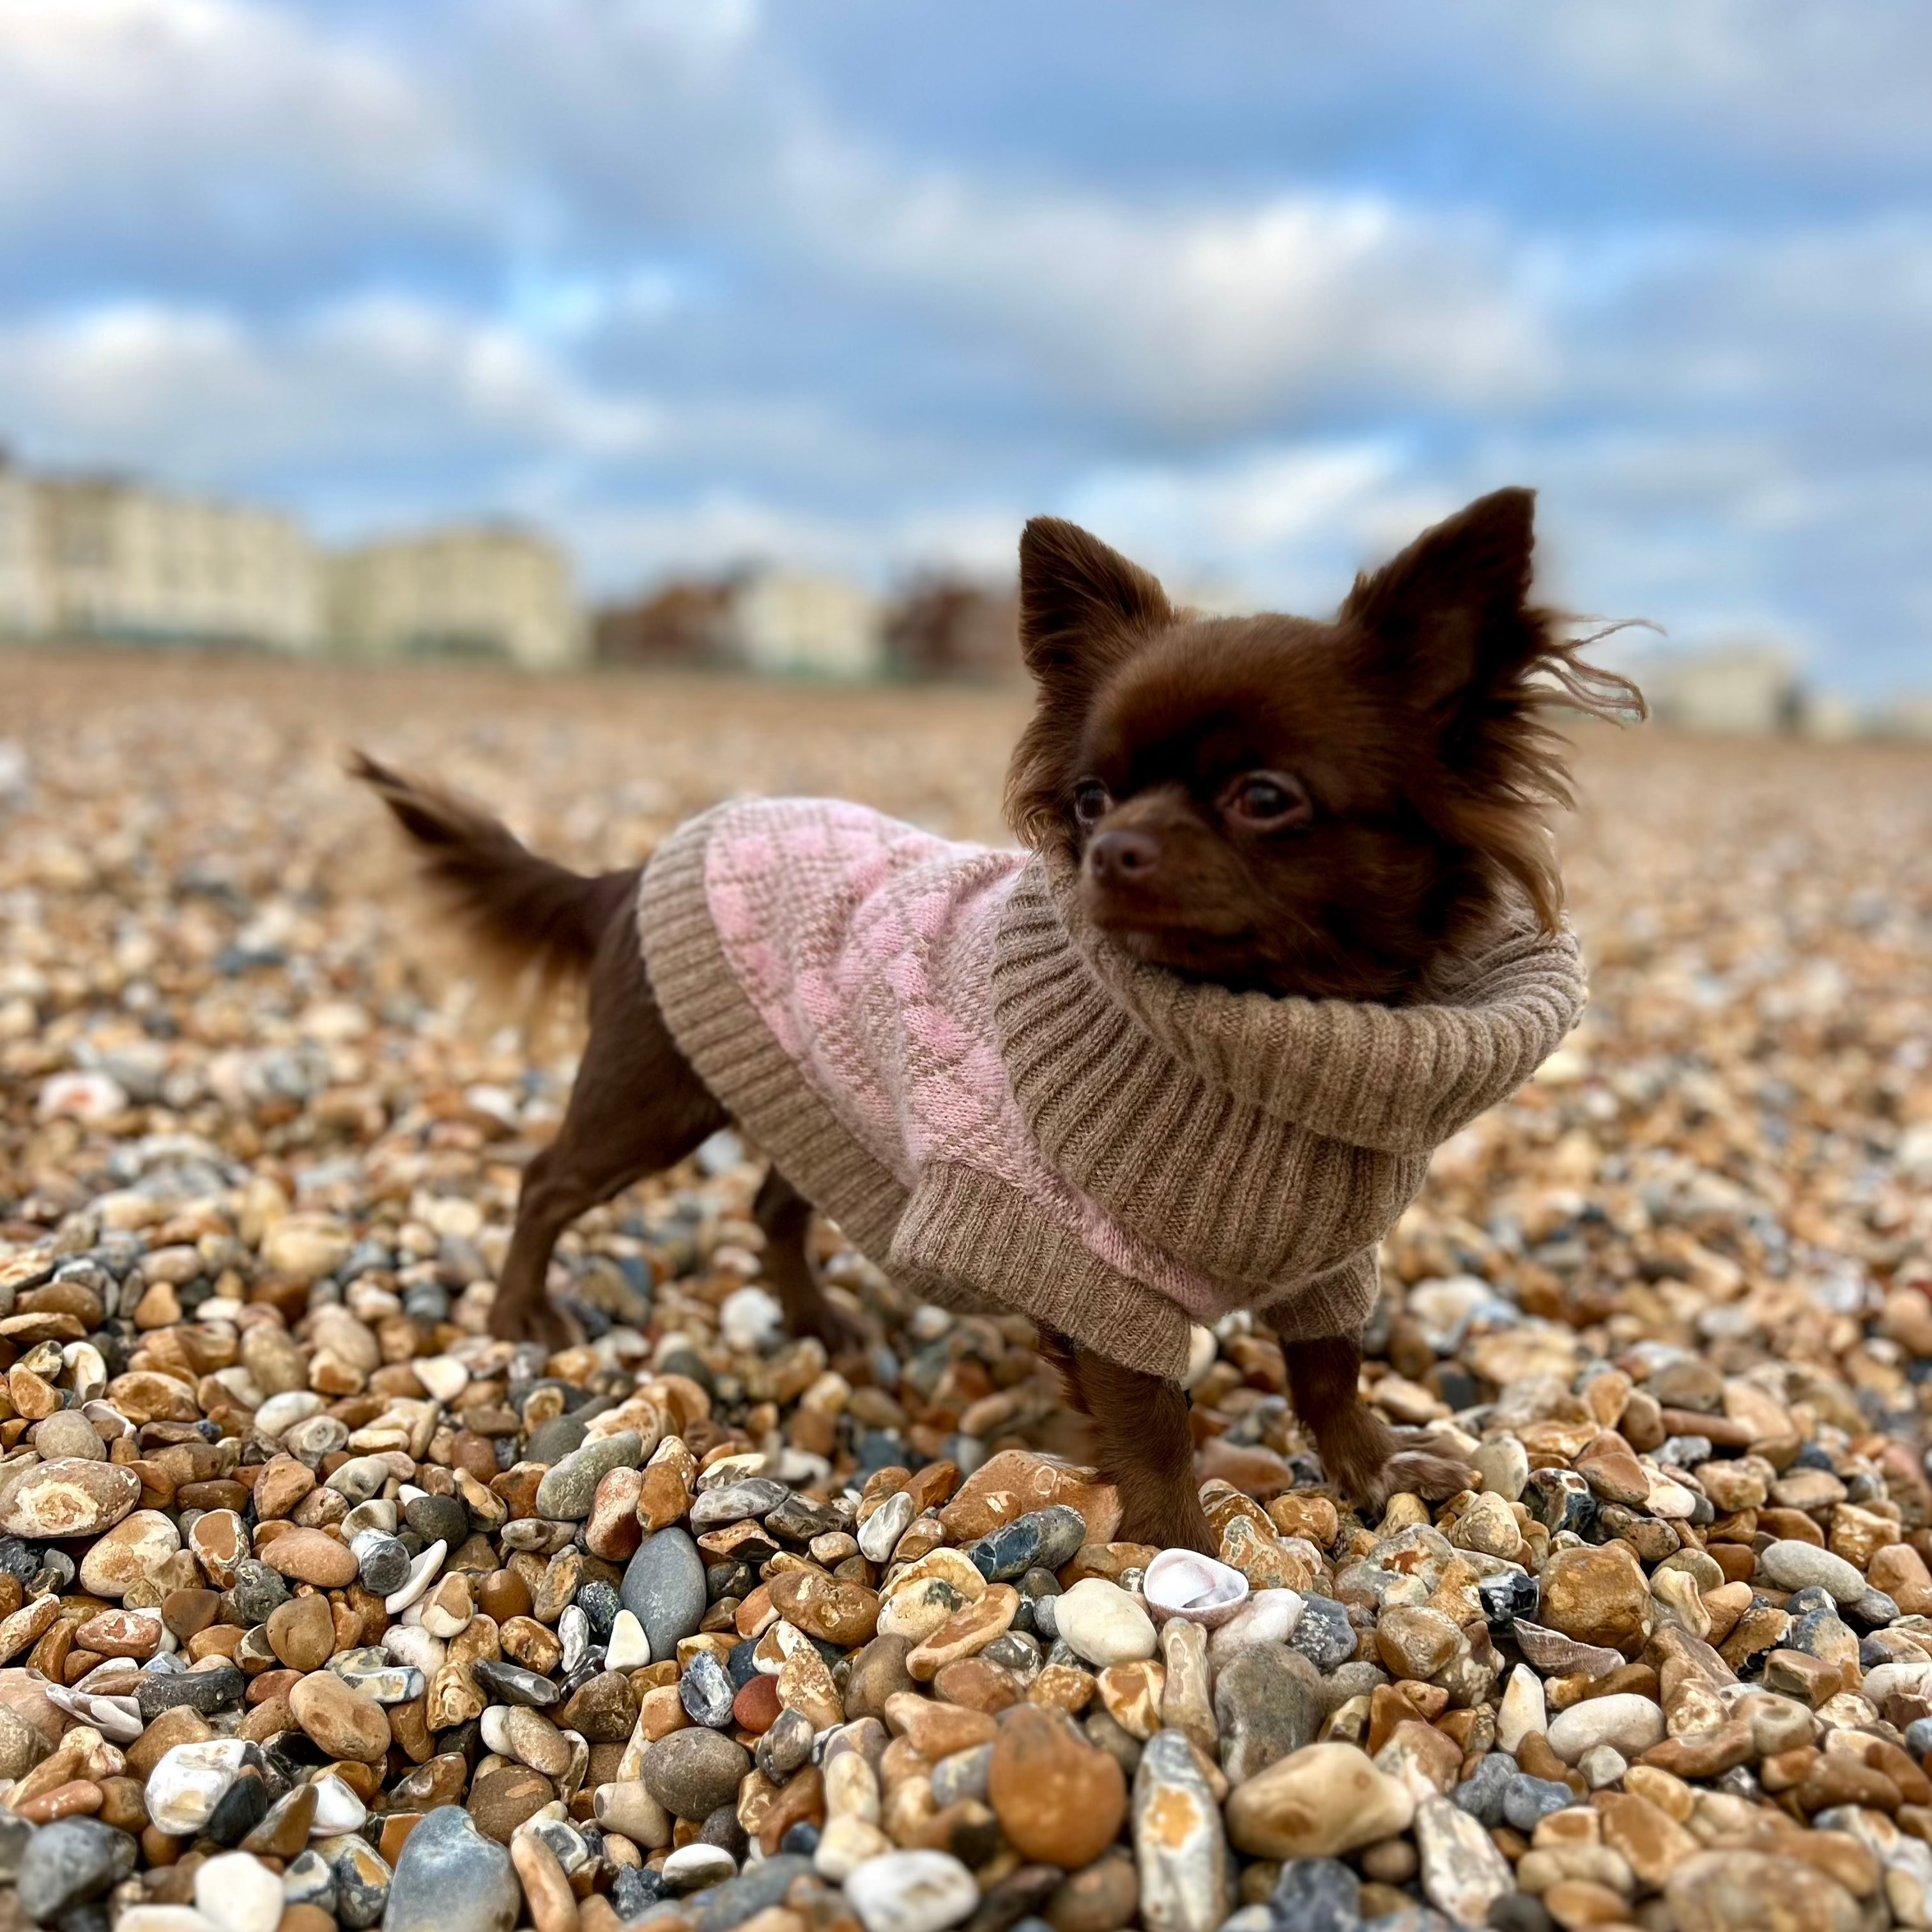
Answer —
1123 858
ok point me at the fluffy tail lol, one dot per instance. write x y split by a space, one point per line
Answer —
528 918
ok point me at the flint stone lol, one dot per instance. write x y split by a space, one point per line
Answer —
69 1861
450 1878
205 1690
565 1493
663 1589
1268 1702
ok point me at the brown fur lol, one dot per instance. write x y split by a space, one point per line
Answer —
1304 807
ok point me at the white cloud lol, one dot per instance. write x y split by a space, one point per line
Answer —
1196 318
1790 79
199 108
193 393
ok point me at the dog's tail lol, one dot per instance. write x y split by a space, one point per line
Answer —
533 924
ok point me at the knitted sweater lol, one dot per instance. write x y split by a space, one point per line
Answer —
997 1104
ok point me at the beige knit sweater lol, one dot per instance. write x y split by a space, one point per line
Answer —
997 1104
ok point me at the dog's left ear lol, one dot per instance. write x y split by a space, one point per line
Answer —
1450 615
1082 604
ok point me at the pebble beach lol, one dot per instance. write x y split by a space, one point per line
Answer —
319 1608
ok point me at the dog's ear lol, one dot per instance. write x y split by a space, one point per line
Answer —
1084 609
1450 616
1082 604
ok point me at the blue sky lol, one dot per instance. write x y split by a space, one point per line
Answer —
1254 289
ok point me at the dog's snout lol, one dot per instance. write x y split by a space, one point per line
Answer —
1123 857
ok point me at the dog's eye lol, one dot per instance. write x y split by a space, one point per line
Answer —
1268 802
1092 801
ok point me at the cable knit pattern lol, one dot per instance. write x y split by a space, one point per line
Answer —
997 1104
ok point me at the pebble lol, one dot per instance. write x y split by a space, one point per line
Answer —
692 1773
451 1878
663 1589
1804 1566
70 1496
1059 1801
565 1494
1318 1802
1462 1873
237 1893
191 1779
1630 1724
1268 1702
1100 1623
66 1863
912 1891
1179 1845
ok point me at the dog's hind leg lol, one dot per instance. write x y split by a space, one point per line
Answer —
637 1107
785 1216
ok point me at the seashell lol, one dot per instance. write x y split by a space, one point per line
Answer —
1184 1583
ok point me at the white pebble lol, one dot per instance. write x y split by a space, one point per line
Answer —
913 1891
191 1779
443 1375
338 1811
629 1649
1522 1710
749 1319
691 1866
280 1413
1269 1616
238 1893
1630 1722
1103 1623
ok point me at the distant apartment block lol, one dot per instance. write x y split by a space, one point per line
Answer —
1740 690
23 606
792 623
106 556
481 590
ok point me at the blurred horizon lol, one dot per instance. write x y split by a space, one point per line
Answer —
1255 295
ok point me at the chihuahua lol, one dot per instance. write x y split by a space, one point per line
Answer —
1287 810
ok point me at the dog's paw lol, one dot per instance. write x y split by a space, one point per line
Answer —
842 1333
544 1323
1432 1468
1175 1525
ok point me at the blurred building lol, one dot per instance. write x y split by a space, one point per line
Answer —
793 623
106 556
1740 690
23 604
477 590
948 627
1909 716
687 621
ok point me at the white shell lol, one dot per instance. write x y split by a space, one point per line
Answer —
422 1572
1184 1583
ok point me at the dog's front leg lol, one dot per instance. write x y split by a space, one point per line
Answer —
1362 1454
1142 1444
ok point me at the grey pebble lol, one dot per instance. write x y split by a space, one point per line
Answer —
663 1589
450 1878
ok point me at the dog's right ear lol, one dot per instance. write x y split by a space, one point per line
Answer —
1084 609
1082 604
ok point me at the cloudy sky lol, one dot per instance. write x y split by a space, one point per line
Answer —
1254 289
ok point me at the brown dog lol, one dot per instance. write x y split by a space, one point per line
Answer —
1269 805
